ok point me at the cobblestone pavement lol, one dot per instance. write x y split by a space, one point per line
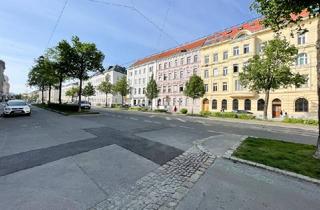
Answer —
164 187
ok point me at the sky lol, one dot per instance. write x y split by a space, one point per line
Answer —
124 30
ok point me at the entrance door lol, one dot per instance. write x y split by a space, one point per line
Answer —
276 108
205 106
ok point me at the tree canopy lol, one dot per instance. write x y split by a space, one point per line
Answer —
152 90
122 87
88 90
194 88
106 87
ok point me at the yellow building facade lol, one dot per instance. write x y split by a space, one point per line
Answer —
224 55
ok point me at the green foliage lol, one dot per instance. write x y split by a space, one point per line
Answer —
152 90
277 13
105 87
80 58
284 155
300 121
72 92
184 111
194 87
63 107
122 87
161 110
227 115
88 90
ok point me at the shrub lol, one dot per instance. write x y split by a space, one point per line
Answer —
205 113
300 121
64 107
160 110
98 104
184 111
246 116
225 114
135 108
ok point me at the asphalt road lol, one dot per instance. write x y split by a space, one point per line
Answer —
50 161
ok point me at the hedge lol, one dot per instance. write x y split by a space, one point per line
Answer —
300 121
64 107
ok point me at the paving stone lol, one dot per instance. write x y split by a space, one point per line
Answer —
164 187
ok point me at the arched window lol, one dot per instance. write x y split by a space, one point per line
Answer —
260 105
301 105
224 104
235 104
247 104
302 59
214 104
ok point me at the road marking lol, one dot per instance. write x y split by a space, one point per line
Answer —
181 120
168 118
156 122
181 126
172 125
151 116
132 118
148 121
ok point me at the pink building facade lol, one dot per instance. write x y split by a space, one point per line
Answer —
172 73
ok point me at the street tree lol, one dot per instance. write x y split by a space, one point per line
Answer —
72 92
105 87
88 91
279 14
122 87
152 90
271 70
81 58
194 89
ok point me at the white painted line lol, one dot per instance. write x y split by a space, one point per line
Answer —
181 120
168 118
181 126
148 121
132 118
151 116
156 122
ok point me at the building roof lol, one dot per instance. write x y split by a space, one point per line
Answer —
226 34
117 68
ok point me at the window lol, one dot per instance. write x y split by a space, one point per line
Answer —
206 87
262 46
195 58
164 89
245 64
225 71
139 71
214 104
215 87
150 68
215 57
224 86
135 72
301 39
170 76
143 80
182 61
175 74
160 66
176 62
215 72
260 105
235 104
135 91
301 105
235 51
181 88
139 81
188 60
246 49
224 104
302 59
165 65
225 55
195 71
144 70
235 68
169 89
164 77
143 90
206 73
181 74
237 85
247 104
139 91
206 59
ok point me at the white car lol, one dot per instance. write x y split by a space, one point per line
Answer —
14 107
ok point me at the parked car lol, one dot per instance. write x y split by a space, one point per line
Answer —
242 112
16 107
85 105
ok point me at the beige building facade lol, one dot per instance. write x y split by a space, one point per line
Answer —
224 54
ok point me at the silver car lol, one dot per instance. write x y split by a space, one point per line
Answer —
16 107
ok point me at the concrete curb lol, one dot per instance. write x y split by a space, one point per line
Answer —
228 155
65 114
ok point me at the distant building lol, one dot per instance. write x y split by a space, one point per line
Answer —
4 83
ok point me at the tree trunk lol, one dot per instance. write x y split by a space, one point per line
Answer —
106 99
122 100
79 95
317 153
42 95
192 106
266 103
60 89
49 101
151 105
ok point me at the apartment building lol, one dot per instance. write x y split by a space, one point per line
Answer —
138 76
114 73
174 68
224 54
4 83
